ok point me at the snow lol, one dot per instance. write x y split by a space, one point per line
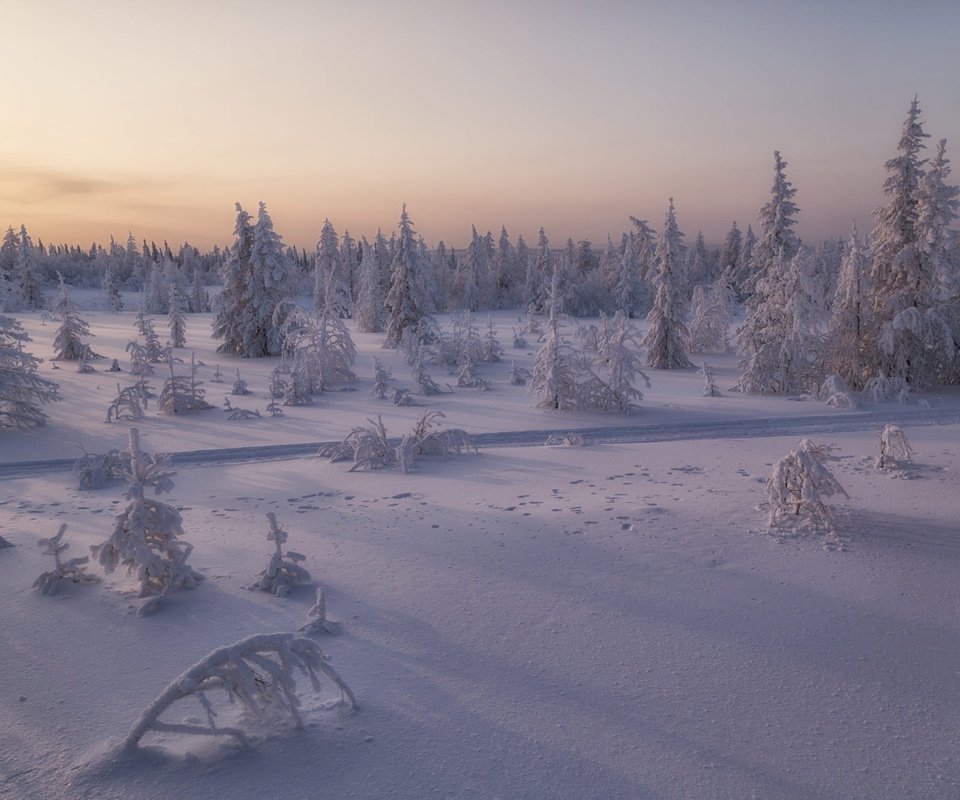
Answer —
613 620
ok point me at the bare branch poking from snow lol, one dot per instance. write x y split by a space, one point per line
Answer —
73 570
257 673
317 621
284 570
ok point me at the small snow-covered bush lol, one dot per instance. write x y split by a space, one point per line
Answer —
96 470
73 570
130 403
368 447
239 386
381 380
797 487
518 375
881 389
710 388
836 392
257 673
894 447
284 570
182 394
145 537
565 440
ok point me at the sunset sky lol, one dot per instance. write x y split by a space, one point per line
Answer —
156 117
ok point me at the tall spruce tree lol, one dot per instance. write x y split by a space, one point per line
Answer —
406 304
667 330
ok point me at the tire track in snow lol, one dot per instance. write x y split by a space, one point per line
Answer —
607 434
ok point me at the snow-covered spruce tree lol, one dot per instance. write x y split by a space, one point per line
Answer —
616 367
68 344
471 270
155 292
730 251
767 324
28 271
369 309
331 291
710 388
491 349
797 487
145 537
557 367
629 292
176 317
798 371
153 349
266 290
199 297
228 321
506 272
283 572
73 570
406 303
667 330
110 285
139 359
381 380
256 673
182 394
912 337
22 391
425 384
239 386
849 317
130 403
710 320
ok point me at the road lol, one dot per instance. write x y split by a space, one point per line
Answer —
819 424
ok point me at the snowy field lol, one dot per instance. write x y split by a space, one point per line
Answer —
606 621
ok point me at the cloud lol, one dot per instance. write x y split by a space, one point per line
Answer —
38 185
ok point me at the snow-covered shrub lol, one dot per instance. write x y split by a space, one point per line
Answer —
556 369
565 440
182 394
278 385
710 388
797 487
615 366
368 447
323 344
73 570
22 391
284 570
242 413
130 403
256 673
836 392
401 397
425 384
881 389
139 362
145 537
317 621
491 350
381 380
239 386
153 347
114 366
518 375
467 380
217 375
518 341
96 470
708 329
273 409
894 448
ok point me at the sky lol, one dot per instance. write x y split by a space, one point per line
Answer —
157 117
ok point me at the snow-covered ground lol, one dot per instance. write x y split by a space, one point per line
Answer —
607 621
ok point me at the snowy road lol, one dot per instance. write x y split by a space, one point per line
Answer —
836 422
